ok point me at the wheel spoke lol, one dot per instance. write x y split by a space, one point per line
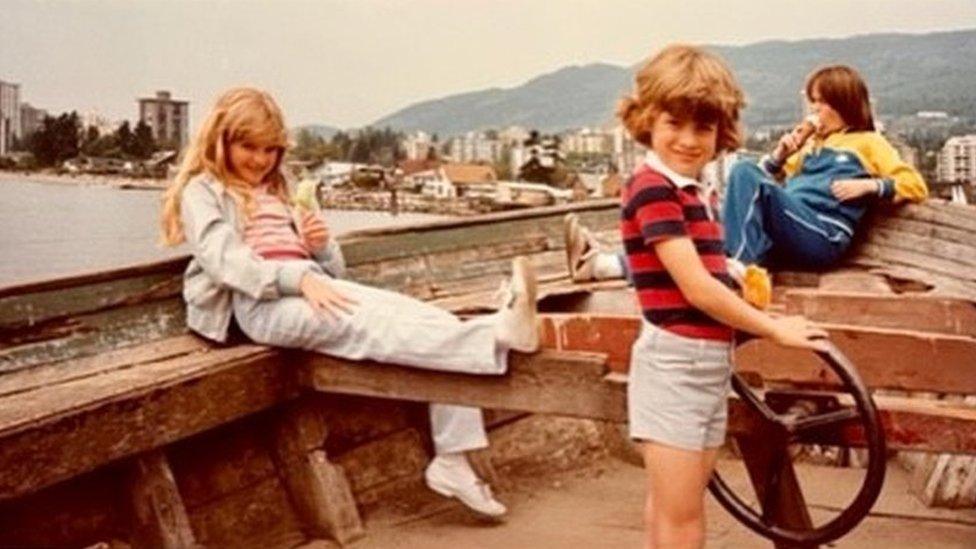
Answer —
770 495
808 423
754 402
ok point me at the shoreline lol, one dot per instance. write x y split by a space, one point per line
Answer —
84 180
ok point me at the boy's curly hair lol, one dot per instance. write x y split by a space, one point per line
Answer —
687 82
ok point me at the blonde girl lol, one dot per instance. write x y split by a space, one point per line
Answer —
278 275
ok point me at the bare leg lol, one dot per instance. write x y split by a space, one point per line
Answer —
675 513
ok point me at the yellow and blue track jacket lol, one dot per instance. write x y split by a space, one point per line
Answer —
847 155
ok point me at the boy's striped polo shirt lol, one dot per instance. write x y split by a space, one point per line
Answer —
655 208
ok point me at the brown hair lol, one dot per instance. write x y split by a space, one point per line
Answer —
844 90
687 82
239 114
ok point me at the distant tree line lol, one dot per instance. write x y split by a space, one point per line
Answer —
368 146
62 137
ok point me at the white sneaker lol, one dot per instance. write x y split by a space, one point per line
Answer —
517 327
582 249
451 476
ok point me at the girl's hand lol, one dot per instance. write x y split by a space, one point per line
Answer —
849 189
324 297
797 331
788 144
314 231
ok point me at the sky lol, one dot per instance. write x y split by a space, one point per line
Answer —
348 63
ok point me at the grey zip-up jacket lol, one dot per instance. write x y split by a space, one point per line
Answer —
222 263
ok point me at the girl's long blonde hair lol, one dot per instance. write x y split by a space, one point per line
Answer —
239 114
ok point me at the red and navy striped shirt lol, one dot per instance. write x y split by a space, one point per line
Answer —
653 208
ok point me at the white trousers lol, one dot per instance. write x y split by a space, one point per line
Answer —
393 328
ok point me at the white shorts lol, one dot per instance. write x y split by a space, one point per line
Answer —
678 388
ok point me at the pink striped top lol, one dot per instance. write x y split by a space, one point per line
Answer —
270 232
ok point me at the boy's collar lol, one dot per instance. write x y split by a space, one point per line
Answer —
682 181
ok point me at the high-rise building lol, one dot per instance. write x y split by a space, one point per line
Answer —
9 115
168 118
31 119
588 141
626 151
957 160
418 145
477 147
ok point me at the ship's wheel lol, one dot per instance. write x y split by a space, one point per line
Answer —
779 421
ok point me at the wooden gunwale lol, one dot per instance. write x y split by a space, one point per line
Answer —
66 429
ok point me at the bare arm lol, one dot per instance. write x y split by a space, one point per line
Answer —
679 257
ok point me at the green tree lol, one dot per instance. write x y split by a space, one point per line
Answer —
143 144
125 138
56 140
312 147
90 141
341 145
370 145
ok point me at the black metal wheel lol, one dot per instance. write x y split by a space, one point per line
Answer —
795 417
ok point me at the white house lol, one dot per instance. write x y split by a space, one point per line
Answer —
335 173
518 193
432 183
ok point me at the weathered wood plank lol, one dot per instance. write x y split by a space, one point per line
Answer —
386 460
32 311
75 513
612 335
49 374
171 266
83 424
26 410
254 518
872 254
964 254
541 382
940 212
100 332
222 461
318 489
885 358
368 246
158 515
941 285
927 230
911 312
535 383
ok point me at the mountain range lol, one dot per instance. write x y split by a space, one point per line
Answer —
906 73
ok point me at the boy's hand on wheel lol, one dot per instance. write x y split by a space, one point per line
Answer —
797 331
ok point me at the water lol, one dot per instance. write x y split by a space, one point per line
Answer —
51 230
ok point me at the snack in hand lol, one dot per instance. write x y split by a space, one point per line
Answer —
801 132
805 129
757 287
305 196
